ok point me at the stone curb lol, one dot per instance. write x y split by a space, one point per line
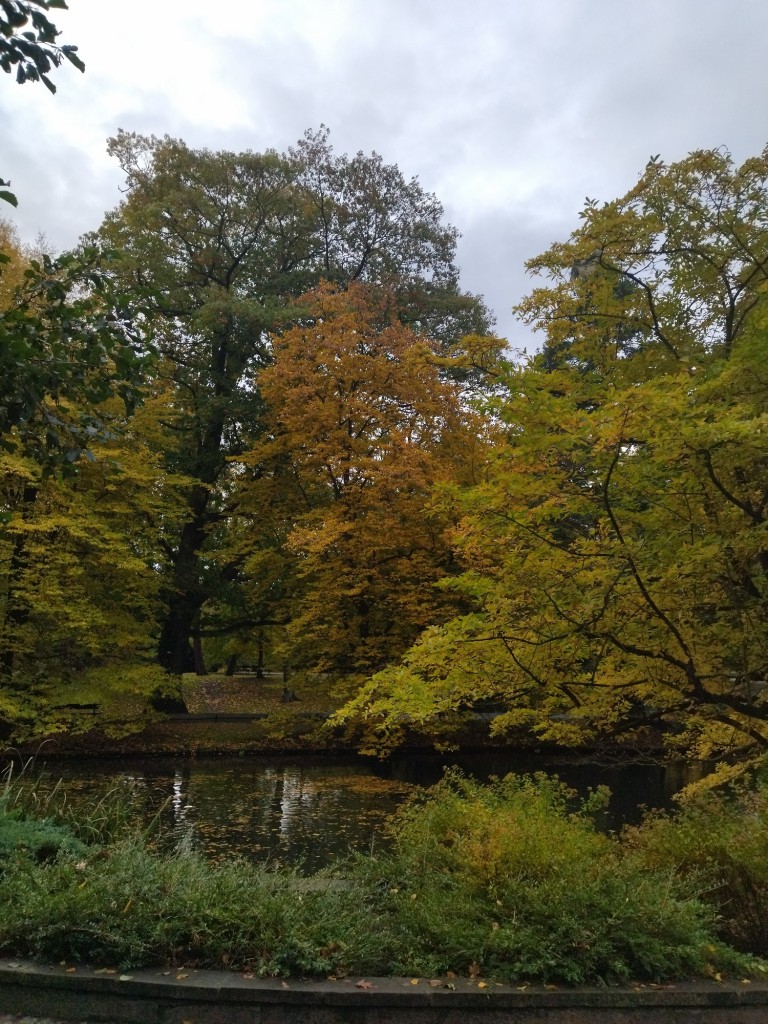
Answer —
217 997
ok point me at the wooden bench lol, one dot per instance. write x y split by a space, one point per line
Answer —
85 709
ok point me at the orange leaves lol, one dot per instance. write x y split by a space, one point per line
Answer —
361 425
354 391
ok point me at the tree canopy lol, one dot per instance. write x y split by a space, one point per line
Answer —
65 348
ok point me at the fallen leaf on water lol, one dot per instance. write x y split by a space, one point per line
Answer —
125 977
284 984
181 977
435 983
71 970
364 984
248 975
482 984
414 981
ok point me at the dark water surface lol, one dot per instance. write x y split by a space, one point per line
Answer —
308 811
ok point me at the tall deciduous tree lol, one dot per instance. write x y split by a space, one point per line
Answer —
361 426
218 246
617 556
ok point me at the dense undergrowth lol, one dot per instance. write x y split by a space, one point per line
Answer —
510 881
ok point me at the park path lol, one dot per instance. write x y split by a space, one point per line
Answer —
15 1018
8 1018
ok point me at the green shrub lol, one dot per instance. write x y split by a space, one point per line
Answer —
40 841
37 836
508 878
132 907
719 840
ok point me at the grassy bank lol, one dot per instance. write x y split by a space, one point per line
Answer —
275 725
510 881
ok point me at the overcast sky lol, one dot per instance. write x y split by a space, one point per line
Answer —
511 111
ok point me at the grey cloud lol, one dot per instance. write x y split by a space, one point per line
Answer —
510 112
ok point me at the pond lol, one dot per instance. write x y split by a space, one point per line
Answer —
309 811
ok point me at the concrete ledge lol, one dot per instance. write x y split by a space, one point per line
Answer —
217 997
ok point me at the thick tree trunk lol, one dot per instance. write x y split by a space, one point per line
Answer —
187 590
185 595
175 652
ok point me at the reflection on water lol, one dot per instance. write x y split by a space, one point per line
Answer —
308 812
289 813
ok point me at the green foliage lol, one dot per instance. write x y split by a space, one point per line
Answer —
32 796
126 693
134 908
79 587
30 828
217 247
40 841
65 349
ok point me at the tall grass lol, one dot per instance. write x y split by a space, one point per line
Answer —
30 794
